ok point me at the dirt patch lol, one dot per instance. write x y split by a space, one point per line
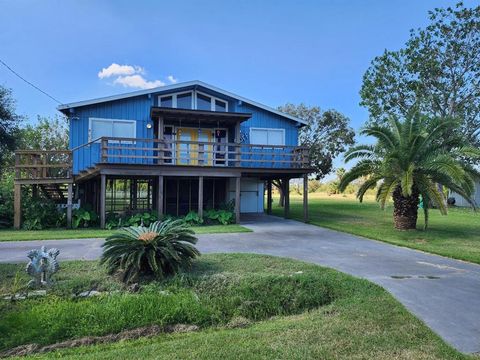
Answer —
330 312
180 328
146 331
21 350
238 322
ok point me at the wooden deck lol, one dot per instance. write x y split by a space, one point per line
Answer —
115 156
135 151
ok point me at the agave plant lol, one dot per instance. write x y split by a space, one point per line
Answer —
161 249
410 160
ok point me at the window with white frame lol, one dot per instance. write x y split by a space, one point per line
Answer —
193 100
111 128
204 102
183 100
266 136
210 103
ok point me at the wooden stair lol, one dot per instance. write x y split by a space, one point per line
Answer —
87 173
55 192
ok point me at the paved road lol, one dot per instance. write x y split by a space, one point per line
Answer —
444 293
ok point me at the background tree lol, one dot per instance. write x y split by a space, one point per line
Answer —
9 123
313 185
46 134
437 73
327 134
333 186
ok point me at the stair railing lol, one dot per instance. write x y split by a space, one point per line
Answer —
43 164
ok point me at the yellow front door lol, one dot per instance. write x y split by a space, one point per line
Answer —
194 154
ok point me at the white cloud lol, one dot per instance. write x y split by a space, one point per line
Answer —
132 76
119 70
137 81
172 79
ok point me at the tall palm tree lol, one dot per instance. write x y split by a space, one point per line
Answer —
408 161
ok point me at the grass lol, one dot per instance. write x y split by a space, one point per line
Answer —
60 234
456 235
296 310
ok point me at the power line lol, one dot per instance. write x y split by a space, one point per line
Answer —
28 82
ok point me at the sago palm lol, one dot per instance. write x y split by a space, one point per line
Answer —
160 249
408 161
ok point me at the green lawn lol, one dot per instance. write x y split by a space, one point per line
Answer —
456 235
57 234
293 310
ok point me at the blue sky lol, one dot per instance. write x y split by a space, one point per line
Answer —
270 51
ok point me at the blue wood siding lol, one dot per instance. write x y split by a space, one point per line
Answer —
265 119
138 109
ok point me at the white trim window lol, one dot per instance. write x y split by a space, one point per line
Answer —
267 136
181 100
99 127
209 102
193 100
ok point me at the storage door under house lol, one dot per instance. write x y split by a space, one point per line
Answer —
251 195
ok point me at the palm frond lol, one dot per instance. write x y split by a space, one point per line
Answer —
430 190
445 165
385 190
360 151
384 135
367 185
468 151
362 168
407 180
434 130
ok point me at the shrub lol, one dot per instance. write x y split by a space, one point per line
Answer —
83 217
161 249
192 218
166 217
313 185
223 217
142 219
333 187
6 198
114 220
40 213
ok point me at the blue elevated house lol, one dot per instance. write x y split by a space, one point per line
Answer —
177 148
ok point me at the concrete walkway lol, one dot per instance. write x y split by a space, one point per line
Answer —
444 293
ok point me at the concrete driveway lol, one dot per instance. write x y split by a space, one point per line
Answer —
444 293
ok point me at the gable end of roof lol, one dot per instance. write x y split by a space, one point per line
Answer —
65 107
